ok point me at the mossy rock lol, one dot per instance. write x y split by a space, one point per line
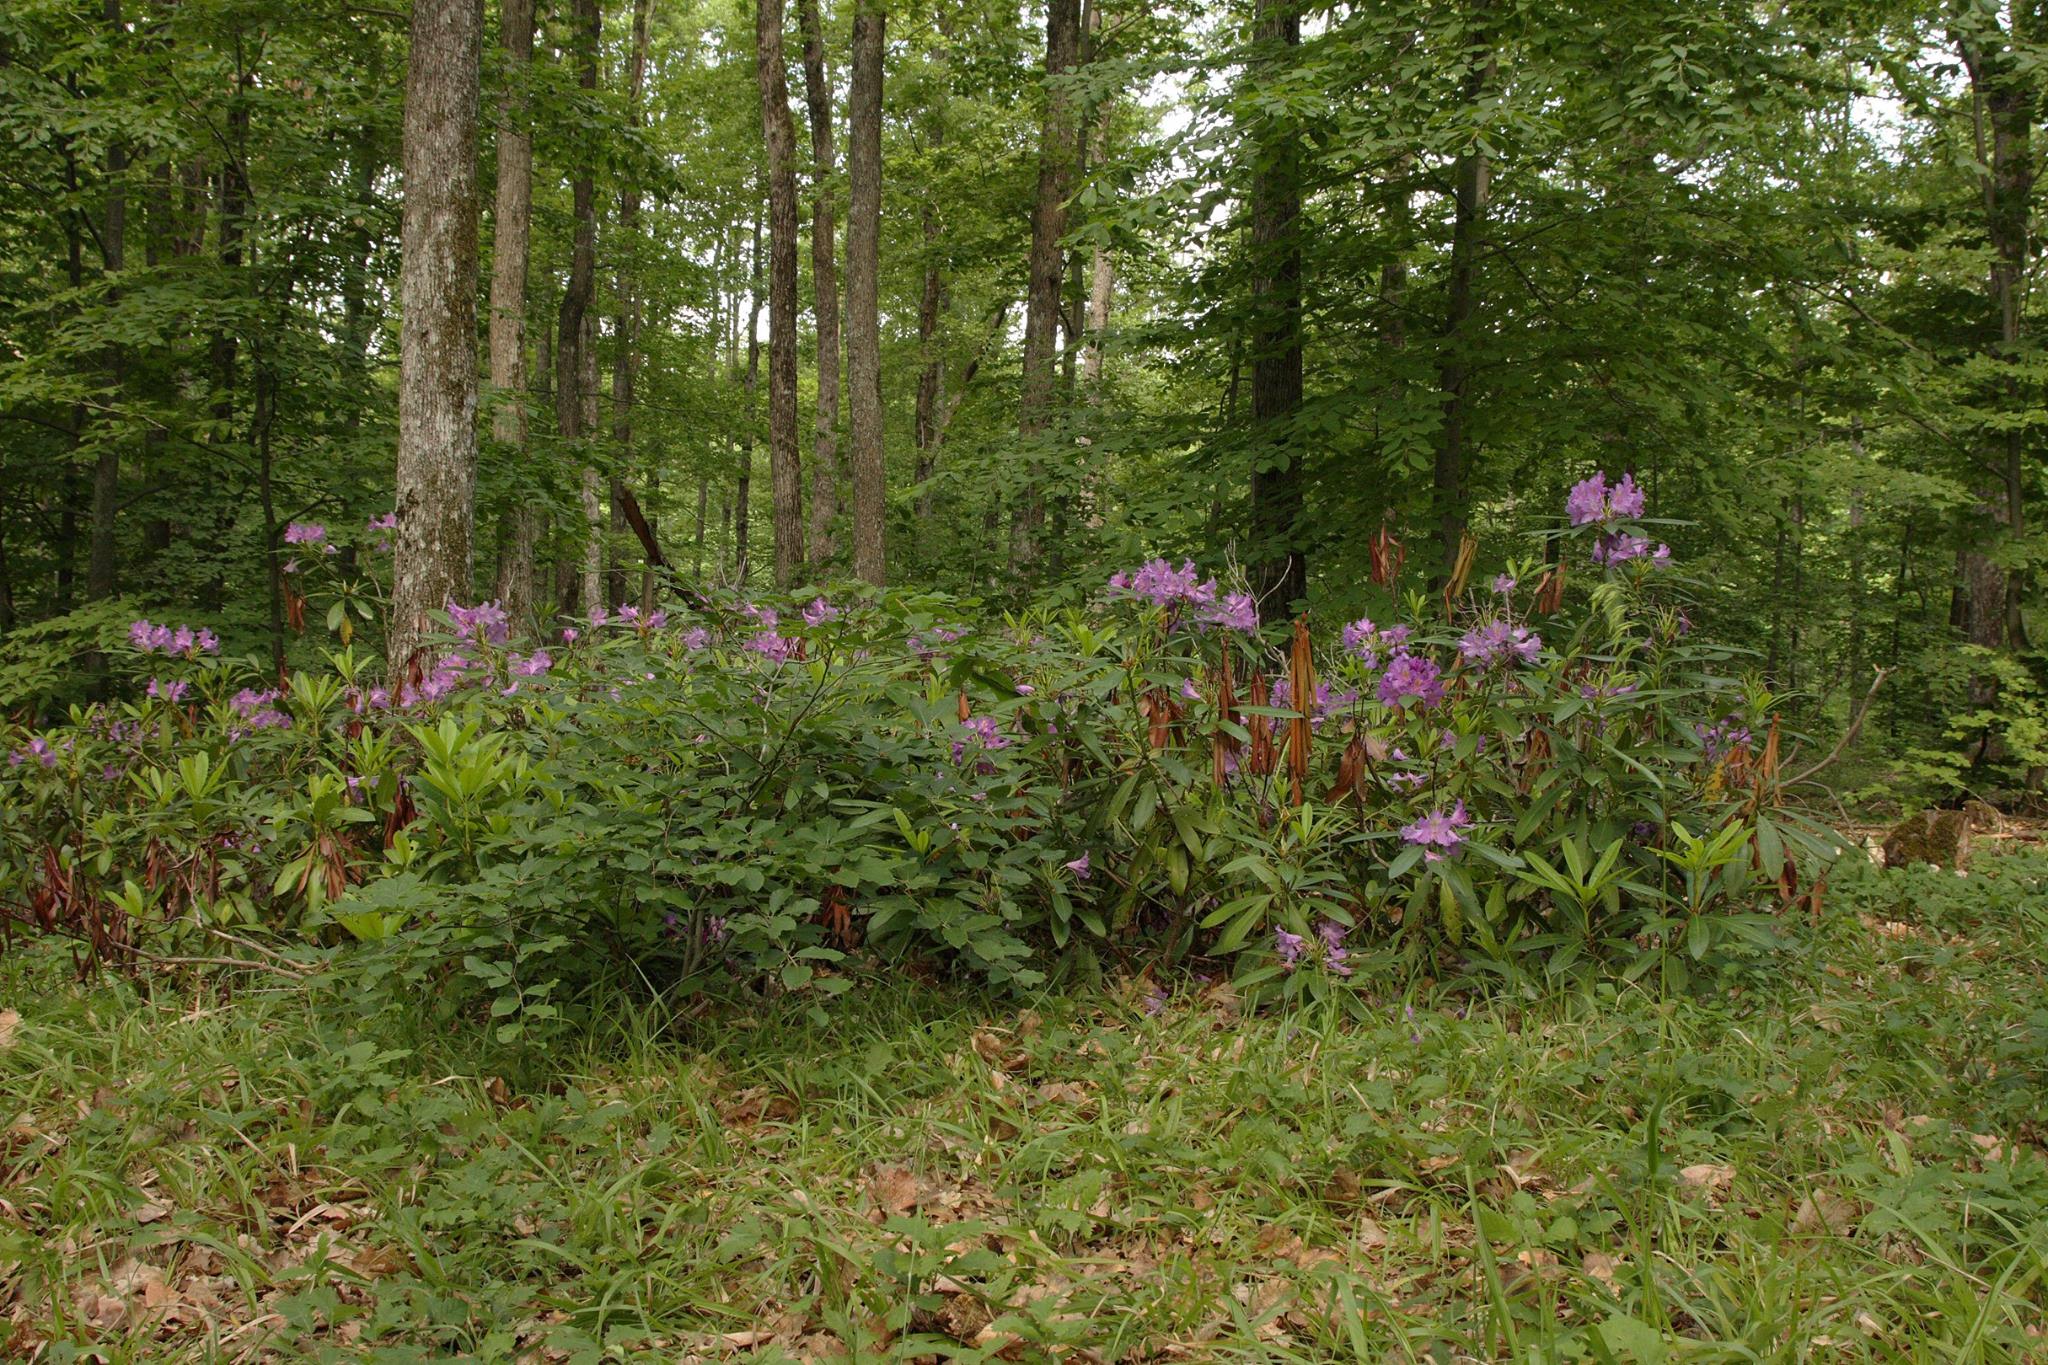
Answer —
1940 837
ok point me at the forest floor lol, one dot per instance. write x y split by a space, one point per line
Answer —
1841 1159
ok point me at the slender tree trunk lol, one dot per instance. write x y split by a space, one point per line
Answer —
931 374
572 323
101 566
626 333
437 389
591 582
512 222
1280 572
778 133
863 297
824 285
1471 175
743 563
1046 267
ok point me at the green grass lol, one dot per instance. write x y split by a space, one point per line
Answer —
1839 1159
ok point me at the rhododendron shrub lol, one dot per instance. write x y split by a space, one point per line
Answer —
743 794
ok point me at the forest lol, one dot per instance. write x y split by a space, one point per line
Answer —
1255 680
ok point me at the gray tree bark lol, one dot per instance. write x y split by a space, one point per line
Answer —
1046 278
778 133
512 228
863 299
824 285
437 381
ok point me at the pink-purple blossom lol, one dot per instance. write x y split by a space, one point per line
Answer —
1411 678
1080 867
1499 642
485 623
1438 830
819 611
1594 501
304 533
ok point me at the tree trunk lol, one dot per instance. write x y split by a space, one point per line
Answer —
572 323
591 582
863 299
626 331
512 222
778 133
825 286
1470 176
437 394
1046 267
743 562
101 566
1280 573
2002 88
931 375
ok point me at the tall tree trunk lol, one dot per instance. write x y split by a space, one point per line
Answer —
824 286
743 563
1470 175
2005 99
626 333
863 297
591 582
1280 573
572 323
931 375
1046 267
512 223
101 568
778 132
437 395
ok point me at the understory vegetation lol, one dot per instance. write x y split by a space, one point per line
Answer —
740 793
1837 1157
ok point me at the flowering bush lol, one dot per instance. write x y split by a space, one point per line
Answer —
755 792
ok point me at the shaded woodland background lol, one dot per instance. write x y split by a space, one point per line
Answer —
995 300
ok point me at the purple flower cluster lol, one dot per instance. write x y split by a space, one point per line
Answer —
1593 500
1438 830
1499 642
258 710
1291 948
485 623
153 639
170 693
818 612
986 733
306 533
1411 677
1159 583
1619 547
38 749
1723 737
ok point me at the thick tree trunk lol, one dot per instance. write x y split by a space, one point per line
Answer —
863 298
1470 176
824 285
1046 267
2005 97
572 323
778 133
437 395
512 224
1280 572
